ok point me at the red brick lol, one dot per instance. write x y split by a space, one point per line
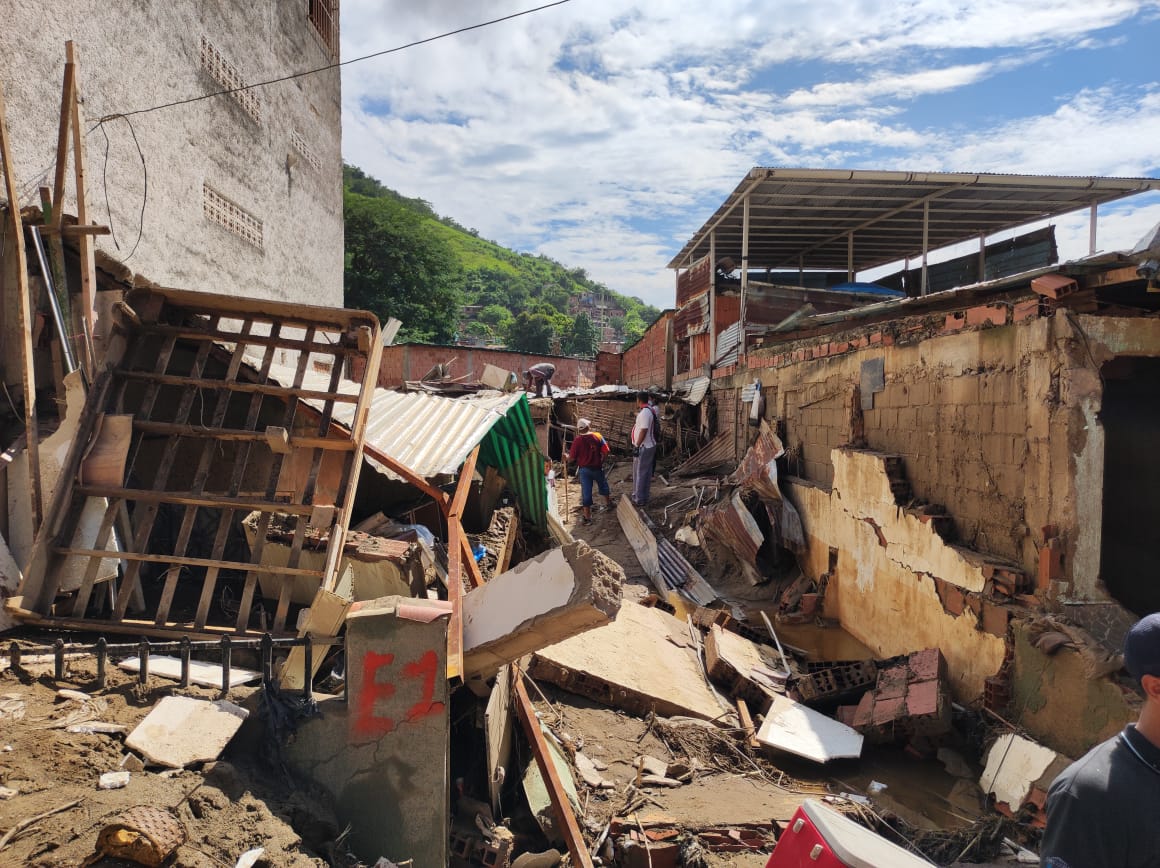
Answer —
926 665
995 619
954 322
888 710
876 338
983 314
922 698
864 711
846 714
1025 310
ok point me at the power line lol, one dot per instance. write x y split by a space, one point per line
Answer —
329 66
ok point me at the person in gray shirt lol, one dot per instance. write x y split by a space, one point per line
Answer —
1103 811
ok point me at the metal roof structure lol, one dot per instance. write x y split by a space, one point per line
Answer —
859 219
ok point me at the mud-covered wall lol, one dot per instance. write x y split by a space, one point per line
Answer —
274 152
890 586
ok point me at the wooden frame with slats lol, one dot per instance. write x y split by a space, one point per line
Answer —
212 441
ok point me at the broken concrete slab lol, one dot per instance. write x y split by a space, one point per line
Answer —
643 661
10 577
498 729
200 672
1016 768
544 600
181 730
590 774
795 728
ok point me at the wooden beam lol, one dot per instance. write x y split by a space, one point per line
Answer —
67 97
32 434
569 828
407 474
458 548
747 724
84 242
503 557
74 230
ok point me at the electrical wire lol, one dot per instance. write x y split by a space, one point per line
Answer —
330 66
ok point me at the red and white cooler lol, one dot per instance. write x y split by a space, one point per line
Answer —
820 836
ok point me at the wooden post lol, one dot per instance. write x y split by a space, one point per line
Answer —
32 450
712 300
744 271
67 98
84 241
457 550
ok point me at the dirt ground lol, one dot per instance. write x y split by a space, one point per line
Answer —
237 804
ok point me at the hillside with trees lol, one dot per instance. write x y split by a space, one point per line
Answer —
404 260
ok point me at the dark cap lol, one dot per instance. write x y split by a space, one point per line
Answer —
1142 647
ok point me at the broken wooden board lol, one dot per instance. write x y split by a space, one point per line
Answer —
794 728
200 672
498 730
643 661
180 730
739 665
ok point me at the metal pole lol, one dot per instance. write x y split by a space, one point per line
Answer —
70 360
712 296
744 268
982 257
925 242
850 257
1092 229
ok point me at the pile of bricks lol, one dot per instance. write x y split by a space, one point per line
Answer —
909 700
834 682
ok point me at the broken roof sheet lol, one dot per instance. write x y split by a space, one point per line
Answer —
432 435
803 217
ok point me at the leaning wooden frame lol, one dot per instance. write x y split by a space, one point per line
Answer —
212 440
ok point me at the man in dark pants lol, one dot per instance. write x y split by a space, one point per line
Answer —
587 453
1104 810
644 448
539 376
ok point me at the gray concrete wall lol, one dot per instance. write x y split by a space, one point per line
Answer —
135 54
384 755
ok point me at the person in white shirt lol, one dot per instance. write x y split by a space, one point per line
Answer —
644 448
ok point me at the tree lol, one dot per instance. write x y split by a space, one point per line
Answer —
583 339
396 266
530 333
633 327
496 316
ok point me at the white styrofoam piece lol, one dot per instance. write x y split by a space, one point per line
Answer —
797 729
180 730
200 672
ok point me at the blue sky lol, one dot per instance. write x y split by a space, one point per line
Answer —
604 134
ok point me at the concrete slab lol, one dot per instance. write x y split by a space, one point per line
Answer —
642 661
200 672
544 600
731 661
1014 765
498 728
798 729
181 730
537 792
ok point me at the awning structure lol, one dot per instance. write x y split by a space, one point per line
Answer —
856 220
433 435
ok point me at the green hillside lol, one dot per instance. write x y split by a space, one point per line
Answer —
404 260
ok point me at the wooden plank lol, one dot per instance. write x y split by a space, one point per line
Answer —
74 231
503 558
179 498
84 242
215 335
135 627
569 828
260 388
28 369
324 622
67 97
747 724
179 429
458 549
147 558
81 602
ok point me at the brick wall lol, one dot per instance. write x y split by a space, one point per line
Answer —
608 369
411 361
647 362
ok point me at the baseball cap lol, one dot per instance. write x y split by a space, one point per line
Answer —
1142 647
583 424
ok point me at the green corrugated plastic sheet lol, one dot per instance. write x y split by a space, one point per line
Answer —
512 449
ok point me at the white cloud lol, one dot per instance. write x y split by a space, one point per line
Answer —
604 135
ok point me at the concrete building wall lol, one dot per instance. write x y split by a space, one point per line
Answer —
404 362
267 161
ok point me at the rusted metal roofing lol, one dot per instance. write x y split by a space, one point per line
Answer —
693 391
805 217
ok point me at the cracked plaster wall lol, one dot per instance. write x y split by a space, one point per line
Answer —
882 590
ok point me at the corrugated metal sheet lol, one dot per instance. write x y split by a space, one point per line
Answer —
728 346
717 452
693 391
433 435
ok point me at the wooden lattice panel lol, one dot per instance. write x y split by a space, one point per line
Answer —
212 440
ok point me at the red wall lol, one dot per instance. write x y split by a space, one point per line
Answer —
411 361
646 363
